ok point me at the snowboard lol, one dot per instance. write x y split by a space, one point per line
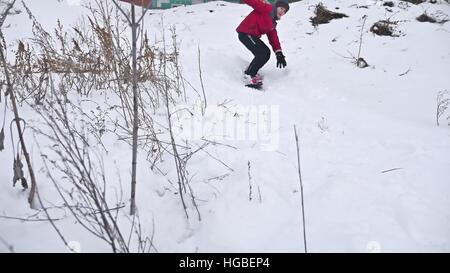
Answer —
258 86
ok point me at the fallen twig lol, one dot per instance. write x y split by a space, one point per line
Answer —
29 219
404 73
390 170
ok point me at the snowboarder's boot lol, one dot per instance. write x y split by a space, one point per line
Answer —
255 81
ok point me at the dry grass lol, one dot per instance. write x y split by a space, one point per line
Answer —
415 2
385 28
324 16
438 18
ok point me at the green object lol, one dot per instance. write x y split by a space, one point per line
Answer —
166 5
181 2
171 3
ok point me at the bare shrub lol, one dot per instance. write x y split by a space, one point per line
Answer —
63 74
77 172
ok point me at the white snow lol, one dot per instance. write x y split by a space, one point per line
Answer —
353 124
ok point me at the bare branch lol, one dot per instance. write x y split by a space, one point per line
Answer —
301 189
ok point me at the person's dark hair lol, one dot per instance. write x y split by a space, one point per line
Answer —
283 4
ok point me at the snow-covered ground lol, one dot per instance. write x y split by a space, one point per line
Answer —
354 125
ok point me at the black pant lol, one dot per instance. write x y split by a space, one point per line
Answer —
259 50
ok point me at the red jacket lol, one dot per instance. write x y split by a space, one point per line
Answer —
259 22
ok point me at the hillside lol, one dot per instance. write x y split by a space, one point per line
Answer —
374 163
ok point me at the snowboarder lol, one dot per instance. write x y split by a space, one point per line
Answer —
262 20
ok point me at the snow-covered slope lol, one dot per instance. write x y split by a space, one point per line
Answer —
354 125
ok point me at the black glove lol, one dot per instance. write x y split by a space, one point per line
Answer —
281 61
